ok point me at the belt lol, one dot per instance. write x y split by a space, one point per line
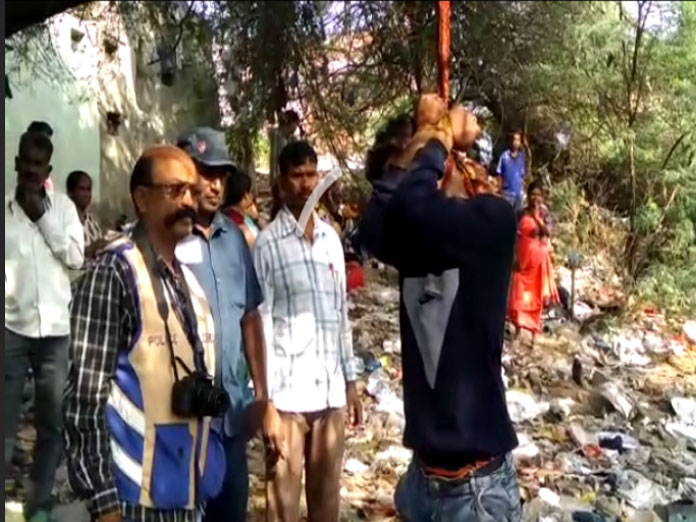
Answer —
466 471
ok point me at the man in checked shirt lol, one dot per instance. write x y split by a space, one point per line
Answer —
311 372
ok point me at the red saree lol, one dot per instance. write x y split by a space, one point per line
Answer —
533 282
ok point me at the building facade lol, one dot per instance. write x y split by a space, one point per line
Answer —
109 89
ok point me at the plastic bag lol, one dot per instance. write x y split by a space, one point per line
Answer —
523 407
618 398
639 491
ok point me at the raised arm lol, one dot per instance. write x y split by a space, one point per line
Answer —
435 230
61 229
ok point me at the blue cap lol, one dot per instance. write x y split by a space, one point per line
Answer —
206 146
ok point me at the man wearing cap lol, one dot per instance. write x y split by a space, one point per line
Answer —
219 257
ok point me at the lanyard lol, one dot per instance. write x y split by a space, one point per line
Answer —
159 280
183 309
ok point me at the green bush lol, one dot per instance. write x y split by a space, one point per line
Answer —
671 288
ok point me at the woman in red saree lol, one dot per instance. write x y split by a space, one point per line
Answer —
533 284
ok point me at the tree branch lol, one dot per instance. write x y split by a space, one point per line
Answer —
672 150
643 13
181 31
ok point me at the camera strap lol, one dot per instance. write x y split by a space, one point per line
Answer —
183 308
139 237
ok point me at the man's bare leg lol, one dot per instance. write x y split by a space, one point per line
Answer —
284 477
324 461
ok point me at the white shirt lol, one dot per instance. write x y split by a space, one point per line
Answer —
305 315
37 259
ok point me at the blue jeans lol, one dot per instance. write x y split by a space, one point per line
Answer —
231 504
514 199
48 359
491 497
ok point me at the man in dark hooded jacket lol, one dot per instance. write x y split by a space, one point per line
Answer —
454 258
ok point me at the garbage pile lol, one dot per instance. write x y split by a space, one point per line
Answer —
606 419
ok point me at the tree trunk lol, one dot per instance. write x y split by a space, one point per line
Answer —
632 246
632 172
413 13
249 160
527 148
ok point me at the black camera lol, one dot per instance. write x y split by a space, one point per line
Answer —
196 396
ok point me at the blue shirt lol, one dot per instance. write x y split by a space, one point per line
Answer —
224 268
512 170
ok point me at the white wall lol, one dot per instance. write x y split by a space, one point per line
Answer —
88 84
69 107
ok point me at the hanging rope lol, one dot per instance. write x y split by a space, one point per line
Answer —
474 176
443 47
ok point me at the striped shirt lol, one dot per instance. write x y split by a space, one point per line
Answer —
305 315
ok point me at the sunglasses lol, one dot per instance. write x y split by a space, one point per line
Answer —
175 190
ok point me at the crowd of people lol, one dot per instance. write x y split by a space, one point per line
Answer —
201 325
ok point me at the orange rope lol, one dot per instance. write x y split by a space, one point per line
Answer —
443 47
474 176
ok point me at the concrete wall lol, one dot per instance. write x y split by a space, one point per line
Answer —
66 102
93 82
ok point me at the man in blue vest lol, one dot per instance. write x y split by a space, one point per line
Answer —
219 257
140 404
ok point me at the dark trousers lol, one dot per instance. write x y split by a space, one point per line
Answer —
48 359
